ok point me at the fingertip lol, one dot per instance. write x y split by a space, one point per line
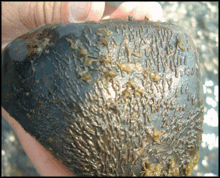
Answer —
86 11
96 12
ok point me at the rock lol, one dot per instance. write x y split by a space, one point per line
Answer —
109 98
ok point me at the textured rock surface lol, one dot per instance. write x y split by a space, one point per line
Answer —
189 14
200 19
130 91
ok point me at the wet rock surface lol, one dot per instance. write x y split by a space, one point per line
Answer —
200 19
111 74
129 90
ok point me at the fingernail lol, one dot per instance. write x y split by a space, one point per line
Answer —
106 17
79 11
86 11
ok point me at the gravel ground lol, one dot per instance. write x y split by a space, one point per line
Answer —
200 20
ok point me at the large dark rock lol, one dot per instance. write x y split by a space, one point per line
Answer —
108 98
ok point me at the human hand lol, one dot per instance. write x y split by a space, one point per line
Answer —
19 17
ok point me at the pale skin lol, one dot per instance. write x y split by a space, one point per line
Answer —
19 17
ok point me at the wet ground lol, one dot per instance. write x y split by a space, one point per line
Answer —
200 20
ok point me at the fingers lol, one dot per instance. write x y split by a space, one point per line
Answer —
11 24
42 160
19 17
39 13
152 10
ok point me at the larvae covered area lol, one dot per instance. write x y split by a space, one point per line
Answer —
114 98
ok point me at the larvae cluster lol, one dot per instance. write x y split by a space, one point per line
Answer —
113 98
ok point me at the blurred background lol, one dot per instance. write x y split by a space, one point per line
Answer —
200 20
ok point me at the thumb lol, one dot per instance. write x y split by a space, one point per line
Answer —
19 17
